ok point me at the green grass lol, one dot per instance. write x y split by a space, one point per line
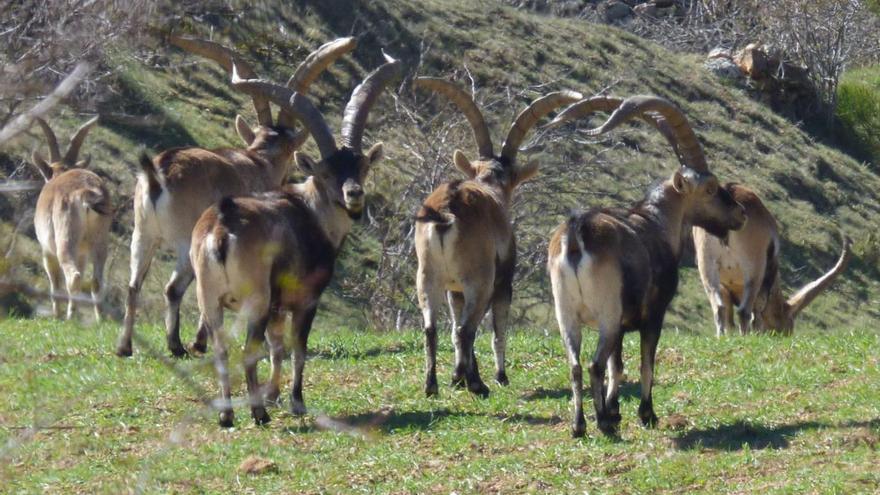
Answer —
743 415
858 108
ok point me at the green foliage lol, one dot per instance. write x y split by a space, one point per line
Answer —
858 107
745 415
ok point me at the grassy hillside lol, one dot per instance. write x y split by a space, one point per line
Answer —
163 98
743 415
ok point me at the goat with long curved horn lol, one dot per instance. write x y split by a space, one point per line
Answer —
72 220
177 185
275 254
617 270
742 273
465 241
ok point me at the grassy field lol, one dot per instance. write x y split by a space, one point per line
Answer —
744 415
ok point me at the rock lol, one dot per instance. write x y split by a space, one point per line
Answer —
724 68
615 11
719 52
753 61
257 465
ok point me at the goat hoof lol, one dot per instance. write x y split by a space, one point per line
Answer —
431 389
579 428
226 419
649 420
198 347
178 351
261 417
297 408
123 351
271 396
479 388
501 378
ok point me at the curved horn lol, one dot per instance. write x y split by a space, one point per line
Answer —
354 118
687 147
466 105
585 108
54 153
311 68
298 105
806 294
226 58
530 116
77 140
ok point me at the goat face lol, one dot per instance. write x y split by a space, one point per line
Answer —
342 176
495 172
711 207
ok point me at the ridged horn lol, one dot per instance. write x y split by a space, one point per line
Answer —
809 292
77 140
357 110
530 116
226 58
688 148
312 67
298 105
586 107
51 140
466 105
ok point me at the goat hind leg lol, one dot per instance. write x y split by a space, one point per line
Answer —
53 270
430 300
649 339
275 333
615 375
302 325
608 337
253 352
180 280
143 247
500 317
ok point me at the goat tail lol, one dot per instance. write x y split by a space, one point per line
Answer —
148 172
95 199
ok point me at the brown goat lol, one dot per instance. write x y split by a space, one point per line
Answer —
178 184
465 241
72 220
744 272
274 254
617 270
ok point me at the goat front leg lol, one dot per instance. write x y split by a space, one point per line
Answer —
302 325
500 318
609 335
275 334
745 310
650 336
475 305
181 278
615 376
253 353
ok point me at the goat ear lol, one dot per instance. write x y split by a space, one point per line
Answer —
244 130
526 172
42 166
462 163
84 162
681 183
305 162
376 153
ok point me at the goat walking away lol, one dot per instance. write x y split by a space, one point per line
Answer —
179 184
743 271
72 220
617 270
274 253
465 242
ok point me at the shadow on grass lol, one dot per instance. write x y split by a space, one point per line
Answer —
341 353
735 436
389 421
628 390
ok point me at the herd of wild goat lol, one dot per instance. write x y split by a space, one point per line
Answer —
255 244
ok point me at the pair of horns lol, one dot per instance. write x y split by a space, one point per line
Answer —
356 111
76 142
665 116
518 130
300 81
